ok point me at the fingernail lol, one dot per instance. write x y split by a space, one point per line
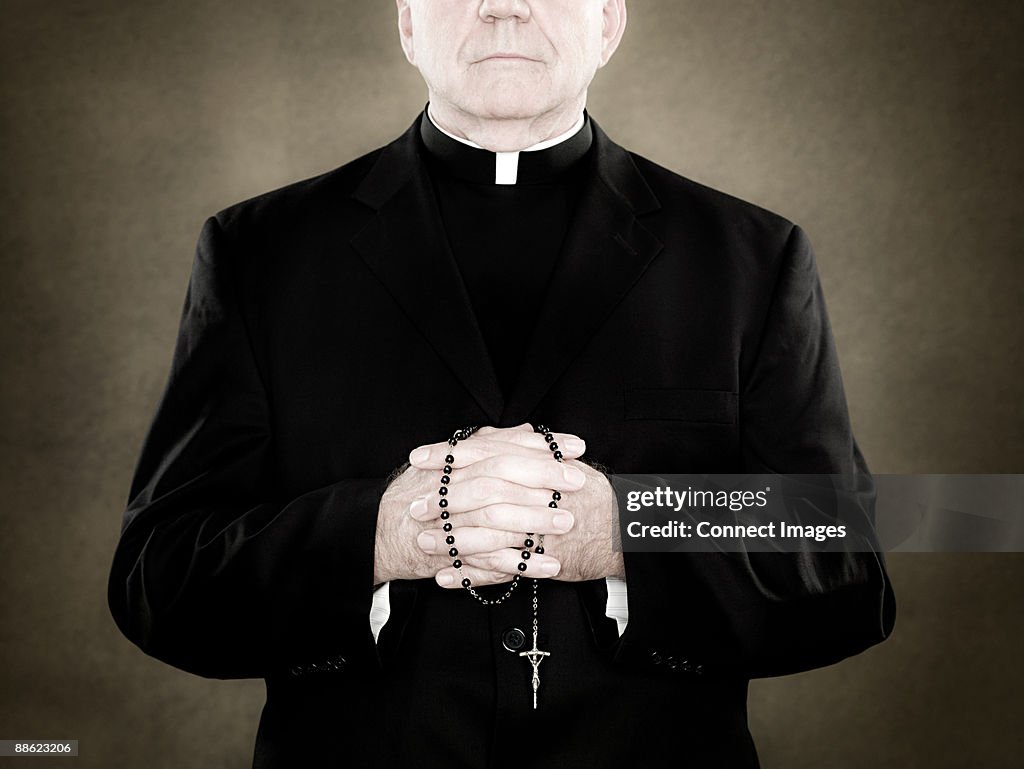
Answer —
562 521
419 455
426 542
444 580
550 568
575 445
573 476
418 508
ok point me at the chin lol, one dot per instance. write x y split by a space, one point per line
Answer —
507 104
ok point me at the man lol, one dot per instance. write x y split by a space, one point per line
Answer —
502 264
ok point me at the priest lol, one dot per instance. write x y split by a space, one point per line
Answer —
378 476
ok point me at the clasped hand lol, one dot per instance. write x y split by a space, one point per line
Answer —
500 488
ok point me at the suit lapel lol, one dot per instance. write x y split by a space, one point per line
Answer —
406 248
605 252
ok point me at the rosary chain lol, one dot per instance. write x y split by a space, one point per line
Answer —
537 547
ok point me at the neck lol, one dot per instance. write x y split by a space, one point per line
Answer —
506 134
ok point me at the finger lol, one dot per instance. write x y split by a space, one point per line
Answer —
508 561
497 505
451 579
470 539
491 430
524 436
517 519
537 472
475 493
432 456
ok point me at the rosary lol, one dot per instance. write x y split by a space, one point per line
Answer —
534 656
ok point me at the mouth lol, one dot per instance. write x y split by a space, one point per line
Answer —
503 56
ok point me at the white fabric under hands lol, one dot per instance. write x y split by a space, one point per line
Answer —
380 609
616 607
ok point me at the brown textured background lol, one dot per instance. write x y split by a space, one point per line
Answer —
890 130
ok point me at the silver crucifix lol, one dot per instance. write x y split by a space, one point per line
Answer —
535 656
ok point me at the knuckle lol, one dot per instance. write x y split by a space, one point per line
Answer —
490 561
479 577
485 487
487 540
486 562
489 516
473 540
522 437
497 465
465 454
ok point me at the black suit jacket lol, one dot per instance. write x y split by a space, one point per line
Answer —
326 332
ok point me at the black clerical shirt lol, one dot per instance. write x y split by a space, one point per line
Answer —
506 238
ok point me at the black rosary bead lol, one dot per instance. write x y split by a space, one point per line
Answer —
449 459
521 566
442 503
447 526
445 479
539 550
552 504
457 563
526 554
548 437
556 496
553 446
442 491
453 552
528 543
557 455
445 515
465 582
447 469
449 540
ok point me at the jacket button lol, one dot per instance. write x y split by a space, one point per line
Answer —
513 639
655 656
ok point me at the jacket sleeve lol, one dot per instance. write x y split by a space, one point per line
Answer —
771 613
216 572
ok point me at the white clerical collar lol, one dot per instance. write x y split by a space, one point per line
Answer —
506 164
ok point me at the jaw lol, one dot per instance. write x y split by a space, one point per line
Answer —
506 89
506 104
